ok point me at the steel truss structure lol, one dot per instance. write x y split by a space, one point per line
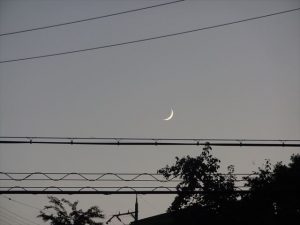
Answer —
13 178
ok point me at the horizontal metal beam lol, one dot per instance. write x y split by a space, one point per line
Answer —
105 192
238 142
149 139
143 192
155 143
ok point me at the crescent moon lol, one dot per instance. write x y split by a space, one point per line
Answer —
171 115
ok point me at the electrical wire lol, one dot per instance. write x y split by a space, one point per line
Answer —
95 189
15 220
89 19
21 203
150 38
16 215
76 176
9 222
111 192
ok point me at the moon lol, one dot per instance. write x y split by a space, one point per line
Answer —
171 115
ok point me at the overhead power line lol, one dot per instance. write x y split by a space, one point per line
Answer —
19 202
150 141
18 216
121 190
14 219
75 176
9 221
102 190
149 38
89 19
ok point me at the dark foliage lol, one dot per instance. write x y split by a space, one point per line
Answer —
275 194
201 173
57 214
273 197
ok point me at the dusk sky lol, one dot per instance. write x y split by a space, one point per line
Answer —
238 81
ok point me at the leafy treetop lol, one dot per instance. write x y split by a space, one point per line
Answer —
57 214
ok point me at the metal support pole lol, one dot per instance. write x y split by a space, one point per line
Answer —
136 209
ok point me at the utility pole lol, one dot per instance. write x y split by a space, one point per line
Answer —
136 209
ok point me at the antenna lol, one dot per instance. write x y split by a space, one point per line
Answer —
134 214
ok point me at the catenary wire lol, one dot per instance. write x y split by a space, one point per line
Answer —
77 176
89 19
150 38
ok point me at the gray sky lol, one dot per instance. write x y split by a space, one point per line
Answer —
238 81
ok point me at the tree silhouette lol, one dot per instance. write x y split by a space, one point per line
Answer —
201 173
59 215
274 195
